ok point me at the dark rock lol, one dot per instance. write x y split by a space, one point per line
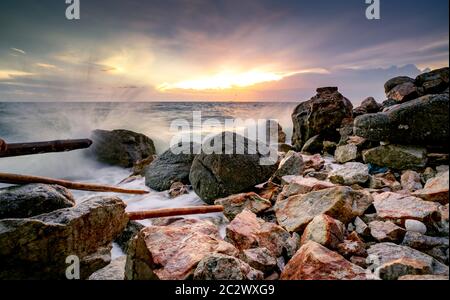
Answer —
396 157
313 145
219 175
323 115
172 166
291 164
423 121
32 200
37 247
128 233
392 83
434 82
403 92
120 147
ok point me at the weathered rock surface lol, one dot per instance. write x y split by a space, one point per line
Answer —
368 106
396 157
302 185
32 200
386 253
415 226
172 166
235 204
217 266
313 145
346 153
410 181
352 246
177 189
219 175
393 206
392 270
403 92
37 247
315 262
324 230
392 83
132 229
120 147
291 164
386 231
260 259
434 82
315 162
341 203
247 231
422 242
436 189
173 251
114 271
323 114
423 121
350 173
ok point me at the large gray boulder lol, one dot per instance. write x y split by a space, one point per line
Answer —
37 247
323 114
423 121
121 148
219 175
32 200
174 165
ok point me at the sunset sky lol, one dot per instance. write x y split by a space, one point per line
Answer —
216 50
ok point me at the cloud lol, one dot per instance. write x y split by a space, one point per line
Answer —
47 66
11 74
18 51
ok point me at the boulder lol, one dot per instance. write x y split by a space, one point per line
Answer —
322 114
291 164
436 189
215 266
386 231
315 262
392 83
434 82
235 204
33 199
341 203
37 247
346 153
410 181
121 148
173 252
219 175
396 157
403 92
246 231
385 253
114 271
423 121
324 230
172 166
393 206
260 259
368 105
422 242
392 270
350 173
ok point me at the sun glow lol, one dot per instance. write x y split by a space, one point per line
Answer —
225 80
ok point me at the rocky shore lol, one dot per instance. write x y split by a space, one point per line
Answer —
361 194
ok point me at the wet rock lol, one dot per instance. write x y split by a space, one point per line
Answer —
415 226
235 204
392 270
260 259
386 253
436 189
403 92
177 189
392 83
37 247
217 266
393 206
434 82
410 181
121 148
350 173
33 199
315 262
386 231
423 277
346 153
214 176
323 114
132 228
423 121
341 203
396 157
172 166
291 164
173 252
246 231
324 230
114 271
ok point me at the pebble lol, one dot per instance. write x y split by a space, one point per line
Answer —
415 226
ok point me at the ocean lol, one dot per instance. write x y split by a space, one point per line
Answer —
32 122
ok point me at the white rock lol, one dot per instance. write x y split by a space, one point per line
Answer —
415 226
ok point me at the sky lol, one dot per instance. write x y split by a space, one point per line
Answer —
214 50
